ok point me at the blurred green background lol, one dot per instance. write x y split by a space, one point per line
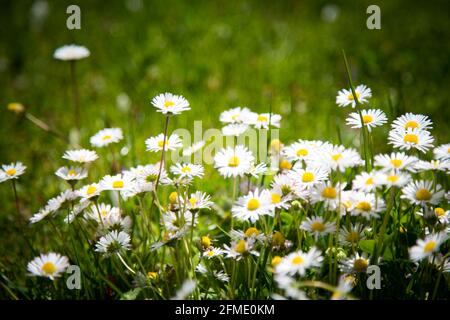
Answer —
218 54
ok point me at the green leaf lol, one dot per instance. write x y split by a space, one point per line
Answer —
131 295
367 245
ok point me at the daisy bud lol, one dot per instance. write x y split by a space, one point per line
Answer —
278 239
205 242
285 165
275 261
173 197
16 107
152 275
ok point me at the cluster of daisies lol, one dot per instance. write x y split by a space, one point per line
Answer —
320 202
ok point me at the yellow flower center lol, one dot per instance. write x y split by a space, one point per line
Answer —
251 231
16 107
285 165
423 194
302 152
193 201
11 172
351 98
396 163
392 179
117 184
352 237
186 170
336 156
71 173
253 204
173 197
367 119
49 268
364 206
168 104
241 247
152 275
233 161
430 246
308 177
103 213
161 143
329 193
360 265
106 137
262 119
298 260
448 150
411 124
206 241
439 212
210 253
369 181
276 260
276 198
411 138
317 226
90 190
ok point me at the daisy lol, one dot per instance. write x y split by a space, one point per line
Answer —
441 165
427 247
300 150
344 287
355 264
71 173
113 242
212 252
366 205
234 129
393 179
442 152
12 171
298 262
310 176
261 121
187 170
199 200
240 248
49 265
366 181
155 144
412 121
328 194
285 184
251 233
194 148
351 236
252 206
345 97
106 136
340 158
318 226
278 200
148 174
89 191
233 162
237 115
102 210
422 191
178 221
71 52
40 215
411 139
170 104
371 118
442 215
81 155
117 182
395 161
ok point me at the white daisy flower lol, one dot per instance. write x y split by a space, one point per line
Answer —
178 221
366 181
351 236
198 200
355 264
12 171
89 191
317 226
285 184
440 165
300 150
366 205
393 179
412 121
212 252
298 262
278 200
233 162
49 265
261 121
194 148
106 136
113 242
411 139
256 171
345 97
442 152
427 247
395 161
310 176
237 115
170 104
81 155
240 248
187 170
186 289
370 117
340 158
71 52
148 174
422 191
442 215
251 233
117 182
328 194
234 129
40 215
102 210
72 173
252 206
155 144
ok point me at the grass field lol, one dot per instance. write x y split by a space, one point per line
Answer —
284 56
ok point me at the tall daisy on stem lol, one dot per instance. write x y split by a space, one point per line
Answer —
12 172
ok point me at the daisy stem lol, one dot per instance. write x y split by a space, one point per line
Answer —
42 125
441 268
16 198
99 214
75 94
166 126
378 247
125 264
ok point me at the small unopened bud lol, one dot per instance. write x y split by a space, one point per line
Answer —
173 197
16 107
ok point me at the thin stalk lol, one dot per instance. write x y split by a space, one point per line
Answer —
166 126
125 264
75 94
16 198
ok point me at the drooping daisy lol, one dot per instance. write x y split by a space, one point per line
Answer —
317 226
89 191
366 181
155 144
173 222
252 206
233 162
422 191
81 155
412 121
193 148
411 139
240 248
261 121
442 152
198 200
102 210
106 136
300 150
428 246
345 97
366 205
327 193
117 182
256 170
393 179
250 233
309 177
40 215
440 165
72 173
234 129
237 115
170 104
351 236
187 170
12 171
71 52
371 118
49 265
298 262
355 264
395 161
113 242
340 158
